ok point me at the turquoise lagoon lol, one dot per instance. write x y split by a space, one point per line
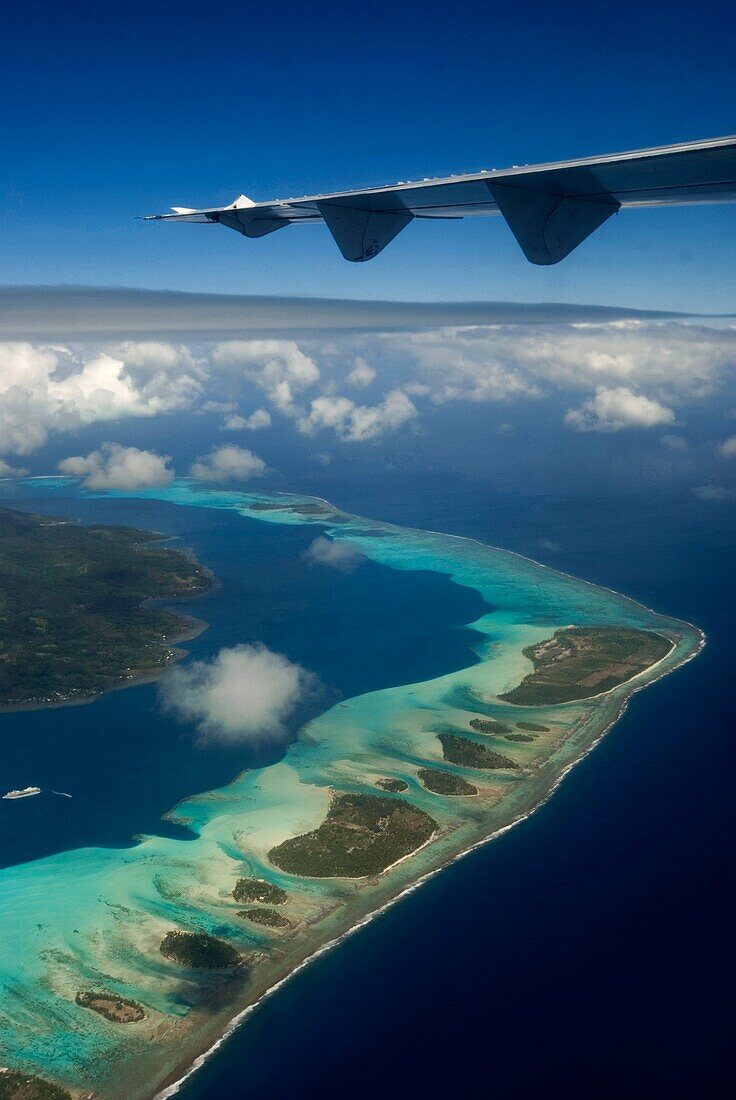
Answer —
94 917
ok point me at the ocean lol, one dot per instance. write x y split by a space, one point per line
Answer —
586 952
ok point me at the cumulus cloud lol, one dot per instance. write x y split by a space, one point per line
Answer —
614 353
612 409
44 389
612 375
278 367
728 447
334 554
6 470
245 693
357 423
228 463
361 374
669 362
261 418
117 467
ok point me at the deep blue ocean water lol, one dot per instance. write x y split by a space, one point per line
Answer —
589 952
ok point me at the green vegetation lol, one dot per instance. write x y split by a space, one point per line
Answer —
440 782
25 1086
532 727
471 754
579 662
393 786
521 737
362 834
488 725
268 917
255 889
71 624
118 1010
197 949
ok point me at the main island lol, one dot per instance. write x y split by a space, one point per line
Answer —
122 968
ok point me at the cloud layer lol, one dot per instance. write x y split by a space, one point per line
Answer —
244 694
610 376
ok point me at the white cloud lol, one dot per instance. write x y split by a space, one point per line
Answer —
611 374
357 423
6 470
243 694
44 389
261 418
728 447
505 362
611 410
675 443
714 492
337 555
228 463
278 367
117 467
361 374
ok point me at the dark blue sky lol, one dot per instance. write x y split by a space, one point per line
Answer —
110 111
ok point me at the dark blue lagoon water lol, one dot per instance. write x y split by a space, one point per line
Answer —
588 952
126 762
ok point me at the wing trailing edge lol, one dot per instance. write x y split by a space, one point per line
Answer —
550 208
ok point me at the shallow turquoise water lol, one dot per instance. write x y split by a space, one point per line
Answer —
95 916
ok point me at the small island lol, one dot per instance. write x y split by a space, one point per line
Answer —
197 950
582 661
269 918
441 782
392 786
73 624
488 725
471 754
532 727
362 834
118 1010
257 889
26 1086
520 737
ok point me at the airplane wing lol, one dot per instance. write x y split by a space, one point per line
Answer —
550 208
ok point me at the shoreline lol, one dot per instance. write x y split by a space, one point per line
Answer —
172 1084
197 626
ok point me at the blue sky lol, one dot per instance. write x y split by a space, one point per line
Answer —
110 111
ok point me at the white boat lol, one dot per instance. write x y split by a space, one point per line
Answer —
25 793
